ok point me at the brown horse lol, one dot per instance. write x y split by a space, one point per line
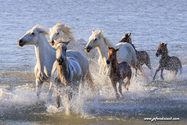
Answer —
118 71
142 56
167 62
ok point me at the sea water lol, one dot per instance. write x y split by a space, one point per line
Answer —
149 22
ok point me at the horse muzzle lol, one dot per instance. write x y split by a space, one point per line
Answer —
60 61
21 43
88 49
157 54
108 61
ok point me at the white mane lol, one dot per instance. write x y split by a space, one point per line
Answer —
39 28
62 27
100 35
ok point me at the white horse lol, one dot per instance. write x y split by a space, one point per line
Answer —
64 32
69 72
125 53
45 56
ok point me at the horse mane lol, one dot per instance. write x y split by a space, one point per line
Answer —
41 29
130 40
66 29
100 35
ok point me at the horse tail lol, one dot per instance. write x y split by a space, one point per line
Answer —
148 60
90 81
134 59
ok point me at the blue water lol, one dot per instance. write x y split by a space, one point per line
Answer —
149 22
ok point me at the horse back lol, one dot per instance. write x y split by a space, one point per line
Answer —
142 56
126 52
173 63
80 58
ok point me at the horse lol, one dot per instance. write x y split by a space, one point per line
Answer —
167 62
63 32
126 52
69 72
45 56
118 71
142 56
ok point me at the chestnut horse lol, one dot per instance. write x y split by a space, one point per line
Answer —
118 71
142 56
167 62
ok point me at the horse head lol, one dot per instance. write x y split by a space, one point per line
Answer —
60 31
111 54
60 40
31 37
93 40
61 53
126 38
162 48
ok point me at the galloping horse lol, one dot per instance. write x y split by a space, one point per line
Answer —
45 56
126 52
142 56
69 72
118 71
167 62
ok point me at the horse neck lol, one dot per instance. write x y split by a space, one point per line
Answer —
164 55
62 73
113 65
130 41
102 48
44 52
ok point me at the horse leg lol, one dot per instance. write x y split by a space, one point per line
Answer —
90 81
148 61
162 74
50 89
57 98
139 68
120 89
70 95
175 73
38 87
115 89
159 68
128 83
135 70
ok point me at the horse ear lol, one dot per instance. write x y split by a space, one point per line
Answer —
117 49
100 31
166 44
129 34
93 31
58 31
50 30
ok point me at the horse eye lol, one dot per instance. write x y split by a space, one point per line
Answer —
32 33
95 39
52 42
57 33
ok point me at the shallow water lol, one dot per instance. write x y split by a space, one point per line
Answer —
150 22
